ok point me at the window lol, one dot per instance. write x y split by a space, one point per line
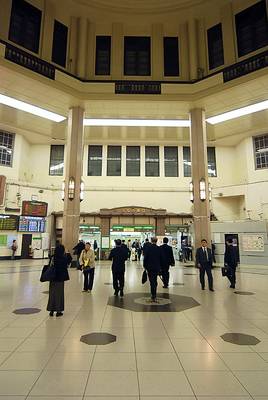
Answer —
137 52
171 56
6 148
215 46
187 164
212 169
56 160
171 161
114 161
133 161
59 47
151 161
261 151
94 167
251 28
25 25
103 55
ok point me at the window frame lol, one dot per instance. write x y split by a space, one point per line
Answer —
158 162
210 67
133 160
165 39
50 159
107 161
254 138
147 38
177 161
66 47
101 159
13 136
109 56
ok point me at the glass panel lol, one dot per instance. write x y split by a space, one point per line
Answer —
212 169
133 161
171 56
56 164
151 161
6 148
94 161
103 55
187 164
215 46
137 55
171 161
114 161
261 151
59 47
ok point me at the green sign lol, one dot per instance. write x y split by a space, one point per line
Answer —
132 228
3 240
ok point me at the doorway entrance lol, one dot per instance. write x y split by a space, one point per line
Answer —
26 245
234 238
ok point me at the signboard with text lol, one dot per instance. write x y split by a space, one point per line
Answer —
34 208
253 242
8 222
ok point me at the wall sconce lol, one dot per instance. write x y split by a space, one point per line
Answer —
202 189
82 190
71 187
191 190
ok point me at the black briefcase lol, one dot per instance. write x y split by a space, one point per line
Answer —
225 271
144 277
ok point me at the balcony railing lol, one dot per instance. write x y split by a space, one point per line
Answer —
137 87
29 61
246 67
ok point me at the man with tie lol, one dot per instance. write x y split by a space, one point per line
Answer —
203 260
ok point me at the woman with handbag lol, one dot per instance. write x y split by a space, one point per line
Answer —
59 263
87 260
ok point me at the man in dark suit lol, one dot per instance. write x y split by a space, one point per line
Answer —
203 260
152 263
124 246
167 260
145 246
118 255
230 261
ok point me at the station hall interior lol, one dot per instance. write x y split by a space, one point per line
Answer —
130 120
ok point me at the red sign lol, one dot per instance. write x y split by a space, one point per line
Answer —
34 208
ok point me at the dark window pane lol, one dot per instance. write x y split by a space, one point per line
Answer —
151 161
212 169
187 164
171 56
56 164
252 28
137 55
133 161
215 46
25 25
114 161
261 151
59 48
171 161
6 148
103 55
94 161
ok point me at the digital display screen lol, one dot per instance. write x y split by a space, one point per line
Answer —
32 224
34 208
8 222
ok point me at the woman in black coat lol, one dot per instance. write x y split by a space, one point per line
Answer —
56 287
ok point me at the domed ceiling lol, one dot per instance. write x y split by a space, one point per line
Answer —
141 6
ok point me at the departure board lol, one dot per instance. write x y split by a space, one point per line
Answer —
8 222
34 208
32 224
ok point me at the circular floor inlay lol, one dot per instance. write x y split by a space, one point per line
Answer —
147 301
244 293
98 338
240 339
26 311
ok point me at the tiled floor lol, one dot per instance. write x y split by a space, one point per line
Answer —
157 355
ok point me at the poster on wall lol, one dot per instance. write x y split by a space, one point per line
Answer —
253 242
105 242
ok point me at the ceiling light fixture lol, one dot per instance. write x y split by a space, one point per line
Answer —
137 122
239 112
21 105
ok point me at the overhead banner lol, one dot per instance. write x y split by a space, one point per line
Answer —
253 242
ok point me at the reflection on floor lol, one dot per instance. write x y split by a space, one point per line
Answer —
157 354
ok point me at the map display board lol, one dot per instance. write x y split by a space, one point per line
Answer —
32 224
34 208
8 222
253 242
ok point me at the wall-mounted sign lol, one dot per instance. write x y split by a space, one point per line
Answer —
105 242
8 222
133 228
34 208
253 242
32 224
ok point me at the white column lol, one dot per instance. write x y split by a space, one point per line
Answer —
142 161
104 160
161 162
123 160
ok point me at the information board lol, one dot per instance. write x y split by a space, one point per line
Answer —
253 242
8 222
32 224
34 208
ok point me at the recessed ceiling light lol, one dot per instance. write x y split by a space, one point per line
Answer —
21 105
136 122
239 112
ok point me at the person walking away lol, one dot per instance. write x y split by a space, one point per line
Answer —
96 249
87 260
56 287
129 248
14 248
145 246
213 249
203 260
77 250
152 263
138 250
118 256
124 247
231 262
167 261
